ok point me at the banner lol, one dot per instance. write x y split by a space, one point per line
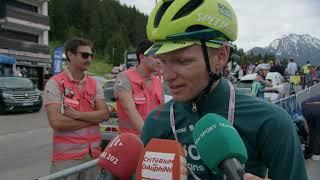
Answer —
131 60
7 59
57 60
296 80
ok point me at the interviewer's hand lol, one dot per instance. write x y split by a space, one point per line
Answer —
248 176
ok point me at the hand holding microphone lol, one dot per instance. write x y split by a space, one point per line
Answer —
121 156
214 131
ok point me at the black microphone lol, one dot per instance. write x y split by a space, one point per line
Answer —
106 175
233 168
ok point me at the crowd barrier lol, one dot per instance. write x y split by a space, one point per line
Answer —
291 104
70 171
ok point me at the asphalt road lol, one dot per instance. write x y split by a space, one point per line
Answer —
25 147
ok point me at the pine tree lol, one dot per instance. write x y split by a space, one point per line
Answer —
113 27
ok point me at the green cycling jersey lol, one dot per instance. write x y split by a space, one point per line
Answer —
267 131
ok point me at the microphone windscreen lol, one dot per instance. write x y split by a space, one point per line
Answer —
162 159
121 155
216 140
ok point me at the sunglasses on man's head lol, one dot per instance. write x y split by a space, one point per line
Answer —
86 55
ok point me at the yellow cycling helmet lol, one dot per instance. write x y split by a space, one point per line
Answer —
175 24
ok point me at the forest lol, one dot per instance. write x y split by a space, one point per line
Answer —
113 27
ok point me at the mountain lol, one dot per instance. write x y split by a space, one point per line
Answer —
300 47
258 50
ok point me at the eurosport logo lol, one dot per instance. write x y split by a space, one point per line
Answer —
212 128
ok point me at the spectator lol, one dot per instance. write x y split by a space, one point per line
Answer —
24 72
292 68
312 77
305 68
244 69
278 67
271 64
225 72
18 72
236 69
251 68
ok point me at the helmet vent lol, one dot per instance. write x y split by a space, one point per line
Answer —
204 32
161 12
196 28
187 8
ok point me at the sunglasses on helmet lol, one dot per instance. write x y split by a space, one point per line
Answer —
85 55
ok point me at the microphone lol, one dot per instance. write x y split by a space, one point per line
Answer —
215 132
121 156
162 159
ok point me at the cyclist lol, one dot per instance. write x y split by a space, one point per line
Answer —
193 41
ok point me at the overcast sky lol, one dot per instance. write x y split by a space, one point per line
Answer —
261 21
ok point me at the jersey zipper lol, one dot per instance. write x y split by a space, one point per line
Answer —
194 107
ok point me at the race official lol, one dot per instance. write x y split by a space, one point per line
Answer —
75 105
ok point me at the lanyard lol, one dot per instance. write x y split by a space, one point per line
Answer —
230 118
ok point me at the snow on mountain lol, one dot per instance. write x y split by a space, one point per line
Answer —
300 47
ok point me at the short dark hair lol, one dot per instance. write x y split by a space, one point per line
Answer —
73 44
142 47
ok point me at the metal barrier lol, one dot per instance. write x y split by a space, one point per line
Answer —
293 103
315 90
64 174
288 103
70 171
303 95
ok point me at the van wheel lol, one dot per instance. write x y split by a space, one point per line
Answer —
2 111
